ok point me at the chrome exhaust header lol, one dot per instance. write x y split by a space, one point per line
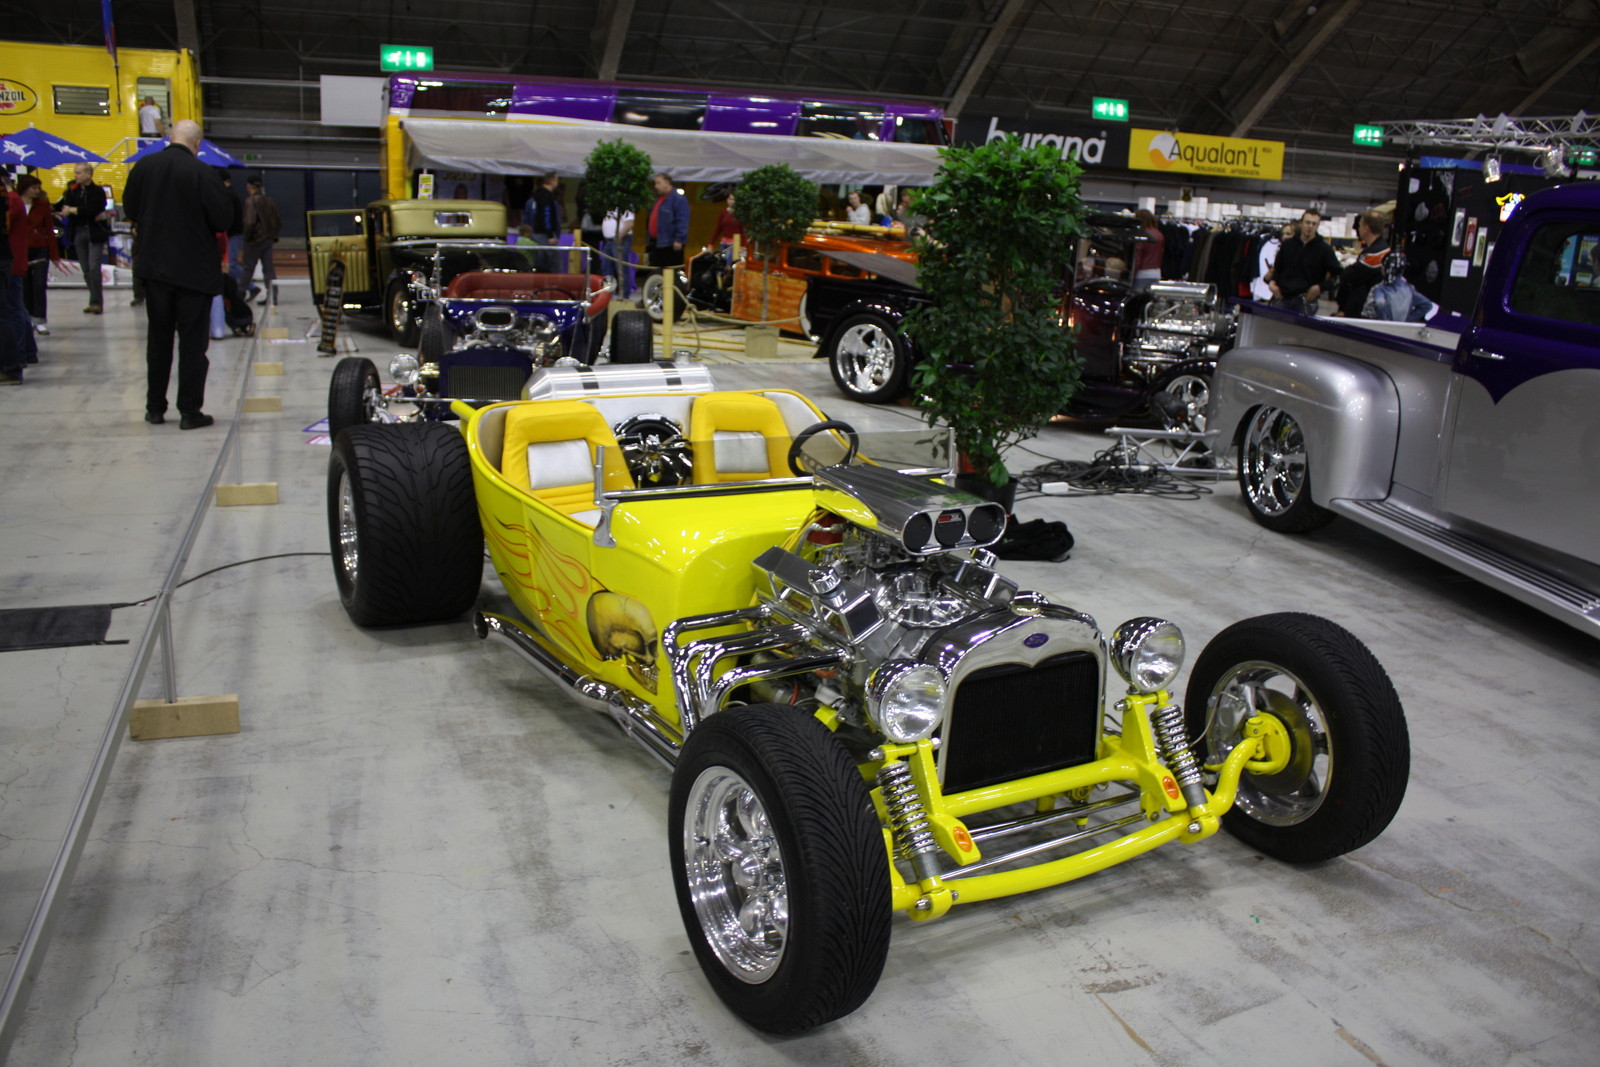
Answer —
637 719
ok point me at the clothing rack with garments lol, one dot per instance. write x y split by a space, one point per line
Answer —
1225 251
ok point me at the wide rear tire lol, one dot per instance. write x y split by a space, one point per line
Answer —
780 868
632 337
403 524
1350 752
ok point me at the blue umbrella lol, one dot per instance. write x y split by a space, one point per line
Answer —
35 148
209 153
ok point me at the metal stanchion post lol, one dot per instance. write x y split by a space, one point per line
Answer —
669 294
169 659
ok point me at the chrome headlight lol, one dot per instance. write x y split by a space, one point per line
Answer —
404 368
906 700
1148 653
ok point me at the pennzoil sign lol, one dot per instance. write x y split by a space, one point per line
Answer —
15 98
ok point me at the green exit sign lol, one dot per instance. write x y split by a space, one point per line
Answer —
1371 136
404 57
1108 110
1584 157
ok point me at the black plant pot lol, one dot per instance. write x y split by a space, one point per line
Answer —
979 485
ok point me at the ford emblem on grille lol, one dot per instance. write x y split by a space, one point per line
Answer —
1035 640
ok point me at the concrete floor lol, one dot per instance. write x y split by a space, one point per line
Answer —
418 853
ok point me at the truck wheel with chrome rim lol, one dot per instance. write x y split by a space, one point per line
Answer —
1349 753
1274 475
868 359
355 394
397 310
403 524
780 869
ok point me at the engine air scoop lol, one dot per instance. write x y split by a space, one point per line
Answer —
924 516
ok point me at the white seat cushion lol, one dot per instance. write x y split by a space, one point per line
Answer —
552 464
739 453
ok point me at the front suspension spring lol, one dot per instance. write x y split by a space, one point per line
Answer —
1174 739
907 818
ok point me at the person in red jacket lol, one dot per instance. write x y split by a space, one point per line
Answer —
33 246
18 346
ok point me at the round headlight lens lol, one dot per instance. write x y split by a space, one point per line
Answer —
1148 653
403 369
907 700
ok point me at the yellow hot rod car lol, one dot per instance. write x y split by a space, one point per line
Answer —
862 716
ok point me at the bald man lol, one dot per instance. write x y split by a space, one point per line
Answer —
179 205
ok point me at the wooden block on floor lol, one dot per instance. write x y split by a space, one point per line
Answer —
188 717
233 496
263 403
275 333
267 370
761 342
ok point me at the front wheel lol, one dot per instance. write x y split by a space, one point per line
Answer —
780 869
432 341
868 359
397 311
1349 750
1274 475
403 524
354 394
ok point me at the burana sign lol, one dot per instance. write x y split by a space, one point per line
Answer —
15 98
1193 153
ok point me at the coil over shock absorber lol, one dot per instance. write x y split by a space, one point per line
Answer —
1174 740
908 820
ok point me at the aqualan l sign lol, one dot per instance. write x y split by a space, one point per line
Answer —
16 98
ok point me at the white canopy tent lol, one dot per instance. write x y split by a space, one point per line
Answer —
502 147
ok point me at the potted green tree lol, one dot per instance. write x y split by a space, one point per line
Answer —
775 204
618 178
995 253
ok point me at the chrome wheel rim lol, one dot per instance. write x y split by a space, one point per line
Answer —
399 311
735 875
1195 392
865 357
1293 794
1274 461
652 296
349 539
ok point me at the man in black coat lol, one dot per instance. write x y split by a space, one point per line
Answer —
179 205
1305 264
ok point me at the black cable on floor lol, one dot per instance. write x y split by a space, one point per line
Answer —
214 570
1107 474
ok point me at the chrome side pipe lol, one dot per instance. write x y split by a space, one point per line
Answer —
636 718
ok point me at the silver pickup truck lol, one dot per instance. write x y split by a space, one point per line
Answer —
1474 441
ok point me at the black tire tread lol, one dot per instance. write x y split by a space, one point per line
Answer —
839 895
1371 744
417 518
632 337
431 341
346 393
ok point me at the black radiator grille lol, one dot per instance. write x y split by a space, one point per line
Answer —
1010 721
484 383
